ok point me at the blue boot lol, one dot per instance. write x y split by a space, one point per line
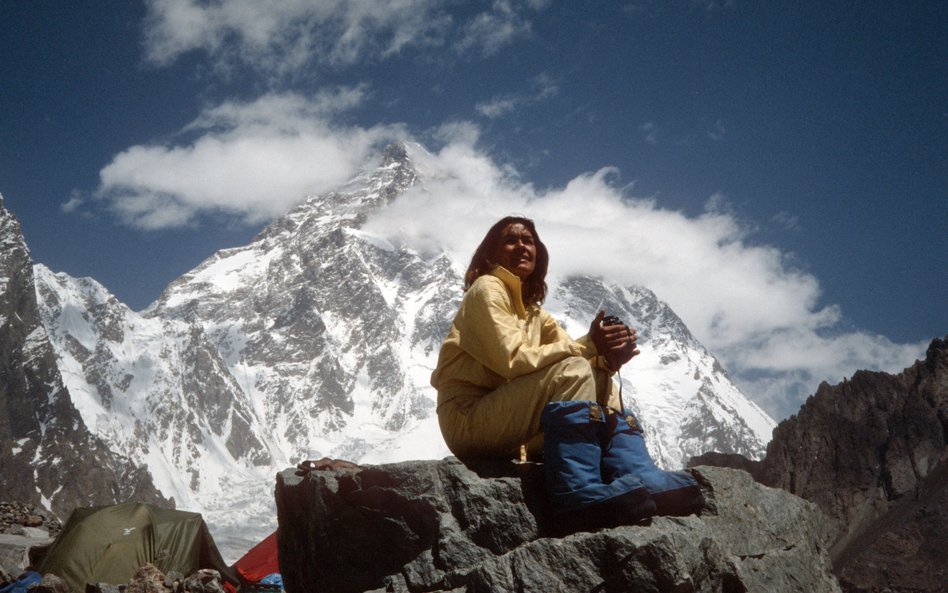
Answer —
572 461
624 454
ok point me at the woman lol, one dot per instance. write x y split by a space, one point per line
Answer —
508 375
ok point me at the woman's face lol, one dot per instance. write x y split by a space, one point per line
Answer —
517 251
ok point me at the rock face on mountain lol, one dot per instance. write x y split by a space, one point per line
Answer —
872 452
440 526
48 456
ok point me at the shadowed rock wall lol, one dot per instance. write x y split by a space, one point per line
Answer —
872 452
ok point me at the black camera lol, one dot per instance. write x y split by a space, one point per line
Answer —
611 320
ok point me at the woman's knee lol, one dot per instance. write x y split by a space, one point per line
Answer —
575 380
576 368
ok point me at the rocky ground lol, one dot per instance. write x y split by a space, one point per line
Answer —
148 579
15 517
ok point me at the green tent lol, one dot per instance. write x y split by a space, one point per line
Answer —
108 544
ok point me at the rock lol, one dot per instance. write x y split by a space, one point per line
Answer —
32 521
51 583
204 581
439 526
105 588
36 532
16 551
147 579
732 460
17 518
174 580
871 453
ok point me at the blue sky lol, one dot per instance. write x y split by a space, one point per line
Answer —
777 173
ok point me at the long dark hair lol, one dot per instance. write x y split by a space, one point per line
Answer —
533 289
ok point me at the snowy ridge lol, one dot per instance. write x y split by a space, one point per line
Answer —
131 378
47 453
679 391
318 339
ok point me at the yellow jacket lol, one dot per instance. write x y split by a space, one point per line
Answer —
494 338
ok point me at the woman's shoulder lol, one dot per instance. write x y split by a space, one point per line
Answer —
488 287
487 282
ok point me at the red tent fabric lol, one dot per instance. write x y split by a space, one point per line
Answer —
260 561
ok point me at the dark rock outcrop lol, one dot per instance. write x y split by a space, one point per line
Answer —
439 526
48 456
872 453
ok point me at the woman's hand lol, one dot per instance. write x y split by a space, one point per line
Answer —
616 342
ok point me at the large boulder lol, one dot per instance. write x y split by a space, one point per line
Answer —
442 526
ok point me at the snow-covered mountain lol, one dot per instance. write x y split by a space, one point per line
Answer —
48 455
318 338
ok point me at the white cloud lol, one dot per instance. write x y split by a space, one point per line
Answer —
542 87
786 220
718 132
713 5
784 366
281 37
651 132
248 160
73 204
760 315
492 29
497 107
287 34
746 302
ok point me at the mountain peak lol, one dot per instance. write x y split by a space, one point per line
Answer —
396 152
318 339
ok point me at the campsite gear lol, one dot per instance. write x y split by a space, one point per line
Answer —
23 583
107 544
257 567
572 457
272 583
624 454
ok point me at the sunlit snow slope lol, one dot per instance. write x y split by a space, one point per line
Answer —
318 338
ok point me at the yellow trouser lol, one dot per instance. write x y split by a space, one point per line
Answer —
496 423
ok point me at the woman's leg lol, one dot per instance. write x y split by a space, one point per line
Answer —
564 396
498 423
